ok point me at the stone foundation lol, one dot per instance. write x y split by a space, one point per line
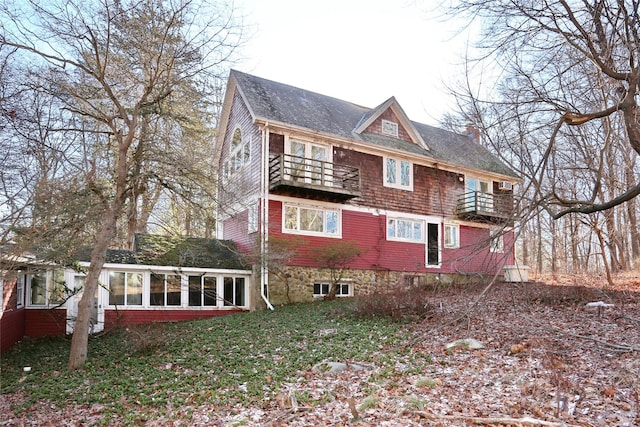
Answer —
295 284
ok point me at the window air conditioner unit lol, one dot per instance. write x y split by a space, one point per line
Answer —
505 185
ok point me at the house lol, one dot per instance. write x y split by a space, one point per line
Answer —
163 279
315 171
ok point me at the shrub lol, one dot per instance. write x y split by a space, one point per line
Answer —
400 304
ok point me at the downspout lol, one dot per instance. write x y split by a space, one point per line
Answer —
264 216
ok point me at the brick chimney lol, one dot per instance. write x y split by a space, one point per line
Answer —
473 133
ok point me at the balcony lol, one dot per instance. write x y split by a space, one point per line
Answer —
301 176
486 207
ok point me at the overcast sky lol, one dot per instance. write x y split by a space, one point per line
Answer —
362 51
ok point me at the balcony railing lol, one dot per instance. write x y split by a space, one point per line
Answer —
305 175
485 206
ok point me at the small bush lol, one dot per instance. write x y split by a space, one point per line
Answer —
402 304
146 339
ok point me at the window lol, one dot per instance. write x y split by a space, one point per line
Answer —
322 289
239 154
398 173
389 128
164 289
125 288
308 220
308 162
252 218
20 291
203 291
234 291
405 230
48 288
496 243
451 236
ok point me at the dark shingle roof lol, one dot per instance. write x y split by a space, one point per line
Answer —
161 250
278 102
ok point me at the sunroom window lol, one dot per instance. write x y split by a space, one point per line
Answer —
125 288
164 289
234 291
203 291
47 288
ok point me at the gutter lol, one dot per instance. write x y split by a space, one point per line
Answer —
264 216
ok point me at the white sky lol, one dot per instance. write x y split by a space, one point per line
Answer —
362 51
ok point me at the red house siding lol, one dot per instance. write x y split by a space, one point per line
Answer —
236 229
115 318
378 253
11 328
45 322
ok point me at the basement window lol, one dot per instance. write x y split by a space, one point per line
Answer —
322 289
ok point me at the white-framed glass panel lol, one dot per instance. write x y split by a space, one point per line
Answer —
496 243
203 291
165 289
321 289
451 236
389 128
406 230
20 291
47 288
234 291
311 220
398 173
125 288
239 153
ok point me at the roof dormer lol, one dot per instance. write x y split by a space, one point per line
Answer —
389 119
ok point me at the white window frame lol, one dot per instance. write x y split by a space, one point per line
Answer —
451 236
308 173
325 211
252 218
49 288
398 172
144 292
20 288
327 284
412 223
239 154
389 128
496 240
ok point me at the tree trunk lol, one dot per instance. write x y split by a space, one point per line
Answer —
80 338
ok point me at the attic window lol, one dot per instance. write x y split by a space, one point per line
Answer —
389 128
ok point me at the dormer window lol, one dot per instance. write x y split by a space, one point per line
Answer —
389 128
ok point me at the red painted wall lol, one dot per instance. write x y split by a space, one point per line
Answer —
45 322
377 253
11 328
115 318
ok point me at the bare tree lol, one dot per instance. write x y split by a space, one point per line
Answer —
110 65
558 98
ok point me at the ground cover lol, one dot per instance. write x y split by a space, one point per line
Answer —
548 359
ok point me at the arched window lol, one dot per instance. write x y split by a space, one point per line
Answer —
239 153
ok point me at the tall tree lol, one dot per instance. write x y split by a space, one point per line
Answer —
115 67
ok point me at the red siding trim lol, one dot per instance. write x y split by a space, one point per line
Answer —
45 322
11 328
116 318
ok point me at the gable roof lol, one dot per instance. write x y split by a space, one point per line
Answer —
279 103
